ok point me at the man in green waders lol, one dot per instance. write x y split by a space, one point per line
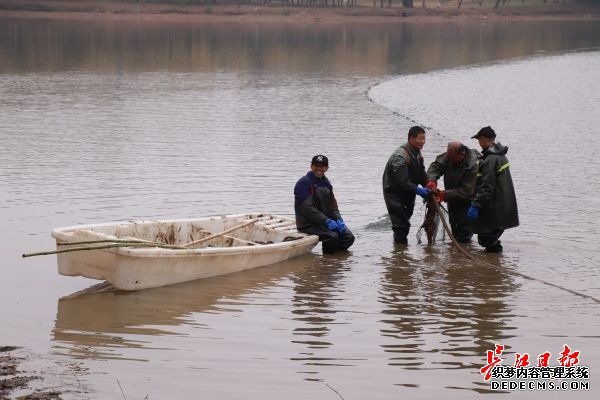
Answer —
403 179
494 206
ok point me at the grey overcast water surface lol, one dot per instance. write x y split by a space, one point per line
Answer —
102 122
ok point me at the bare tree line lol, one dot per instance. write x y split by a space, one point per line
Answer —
293 3
323 3
297 3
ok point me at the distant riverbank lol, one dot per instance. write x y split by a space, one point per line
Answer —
433 12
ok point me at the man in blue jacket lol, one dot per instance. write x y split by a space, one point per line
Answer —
494 207
316 208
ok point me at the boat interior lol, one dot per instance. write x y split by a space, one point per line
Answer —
227 231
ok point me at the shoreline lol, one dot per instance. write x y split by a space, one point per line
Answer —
226 13
13 379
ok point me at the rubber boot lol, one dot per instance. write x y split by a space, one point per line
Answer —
400 238
494 248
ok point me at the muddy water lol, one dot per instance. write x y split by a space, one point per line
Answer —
102 122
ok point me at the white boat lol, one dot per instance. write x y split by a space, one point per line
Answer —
137 255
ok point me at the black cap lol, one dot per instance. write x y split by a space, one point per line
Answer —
320 159
485 132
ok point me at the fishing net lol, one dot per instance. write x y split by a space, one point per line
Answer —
431 224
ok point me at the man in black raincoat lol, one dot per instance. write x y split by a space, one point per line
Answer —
402 179
458 166
494 207
317 210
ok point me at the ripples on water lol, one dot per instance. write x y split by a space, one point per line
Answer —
176 139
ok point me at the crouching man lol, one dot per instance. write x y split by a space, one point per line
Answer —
458 166
316 208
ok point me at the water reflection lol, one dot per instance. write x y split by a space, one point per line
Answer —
52 45
474 303
441 310
104 325
316 292
402 309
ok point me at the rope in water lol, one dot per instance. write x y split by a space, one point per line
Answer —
438 210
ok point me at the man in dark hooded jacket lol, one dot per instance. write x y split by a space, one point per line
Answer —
316 208
494 207
402 179
458 166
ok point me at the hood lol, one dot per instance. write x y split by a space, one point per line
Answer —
496 148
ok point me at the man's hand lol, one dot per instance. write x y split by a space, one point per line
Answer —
332 225
423 192
431 185
441 195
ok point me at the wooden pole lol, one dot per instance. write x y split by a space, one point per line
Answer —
216 235
109 241
106 246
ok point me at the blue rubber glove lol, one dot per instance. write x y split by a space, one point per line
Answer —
473 212
423 192
332 225
342 225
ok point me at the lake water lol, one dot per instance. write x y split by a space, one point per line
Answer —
102 122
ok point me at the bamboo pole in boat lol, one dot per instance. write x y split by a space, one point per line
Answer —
242 240
109 241
216 235
106 246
